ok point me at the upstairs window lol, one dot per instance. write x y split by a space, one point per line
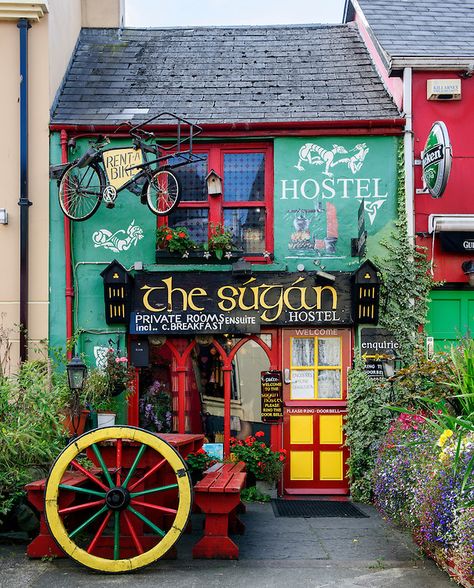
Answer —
245 205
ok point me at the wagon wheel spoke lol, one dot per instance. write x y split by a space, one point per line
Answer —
86 523
163 509
119 531
152 490
78 507
133 533
81 490
98 535
89 474
118 462
138 457
100 459
147 521
150 472
117 535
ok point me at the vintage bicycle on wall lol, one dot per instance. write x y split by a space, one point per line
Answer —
144 169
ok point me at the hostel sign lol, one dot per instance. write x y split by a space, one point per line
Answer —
200 303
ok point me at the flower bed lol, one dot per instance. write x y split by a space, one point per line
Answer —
419 484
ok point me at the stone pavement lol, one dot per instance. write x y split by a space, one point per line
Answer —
274 552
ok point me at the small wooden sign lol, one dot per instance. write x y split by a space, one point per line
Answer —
272 396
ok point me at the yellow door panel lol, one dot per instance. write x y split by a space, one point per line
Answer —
330 465
301 429
330 429
301 465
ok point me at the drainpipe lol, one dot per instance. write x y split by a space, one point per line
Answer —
67 256
409 155
24 203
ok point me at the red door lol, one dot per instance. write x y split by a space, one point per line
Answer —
315 363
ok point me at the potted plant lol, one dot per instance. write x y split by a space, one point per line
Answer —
156 408
260 460
221 241
102 386
175 240
197 462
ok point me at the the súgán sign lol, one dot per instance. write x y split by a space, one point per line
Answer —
200 303
436 159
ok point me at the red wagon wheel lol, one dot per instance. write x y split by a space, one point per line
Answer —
128 502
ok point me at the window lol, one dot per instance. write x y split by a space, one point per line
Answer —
316 368
246 205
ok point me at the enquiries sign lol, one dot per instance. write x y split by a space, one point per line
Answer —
436 159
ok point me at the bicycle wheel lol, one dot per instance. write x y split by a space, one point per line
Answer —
80 191
163 192
124 507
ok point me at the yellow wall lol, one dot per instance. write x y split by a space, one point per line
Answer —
51 41
105 13
64 25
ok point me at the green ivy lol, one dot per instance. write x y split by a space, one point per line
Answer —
406 279
406 284
367 421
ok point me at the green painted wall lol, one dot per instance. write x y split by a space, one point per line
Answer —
319 184
125 233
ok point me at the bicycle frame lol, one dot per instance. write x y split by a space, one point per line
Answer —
144 168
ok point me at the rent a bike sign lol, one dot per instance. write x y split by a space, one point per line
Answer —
122 164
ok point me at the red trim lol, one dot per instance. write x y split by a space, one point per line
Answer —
324 127
68 257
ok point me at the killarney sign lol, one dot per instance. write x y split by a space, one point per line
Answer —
193 303
436 159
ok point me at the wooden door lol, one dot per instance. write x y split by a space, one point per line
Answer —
315 363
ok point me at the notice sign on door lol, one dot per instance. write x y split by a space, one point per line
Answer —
272 396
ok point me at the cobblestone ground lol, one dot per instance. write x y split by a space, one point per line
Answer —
274 552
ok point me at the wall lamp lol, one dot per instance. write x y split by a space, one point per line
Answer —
468 269
3 216
450 222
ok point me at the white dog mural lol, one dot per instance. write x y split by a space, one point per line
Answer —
121 240
317 155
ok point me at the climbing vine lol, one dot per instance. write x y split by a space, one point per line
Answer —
407 282
406 279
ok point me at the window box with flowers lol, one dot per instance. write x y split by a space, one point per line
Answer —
175 245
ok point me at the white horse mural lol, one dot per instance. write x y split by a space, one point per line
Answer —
317 155
121 240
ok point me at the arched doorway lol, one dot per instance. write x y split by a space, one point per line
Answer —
211 379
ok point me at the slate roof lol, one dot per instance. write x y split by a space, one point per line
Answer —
222 75
423 28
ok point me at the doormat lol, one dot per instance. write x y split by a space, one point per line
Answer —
316 508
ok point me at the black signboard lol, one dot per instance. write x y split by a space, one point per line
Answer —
374 369
272 396
211 302
457 241
378 344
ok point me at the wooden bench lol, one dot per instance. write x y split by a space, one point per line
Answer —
44 545
218 496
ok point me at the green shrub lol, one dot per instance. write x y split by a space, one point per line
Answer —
368 418
31 432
